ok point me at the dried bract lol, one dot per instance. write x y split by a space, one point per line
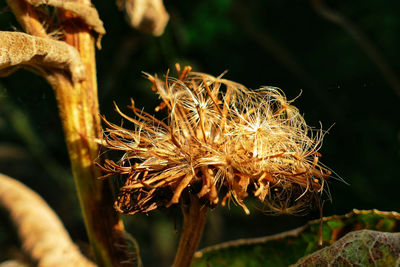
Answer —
219 137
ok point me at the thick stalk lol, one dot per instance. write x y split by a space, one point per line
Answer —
194 219
79 112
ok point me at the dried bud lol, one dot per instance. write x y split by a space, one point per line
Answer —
219 136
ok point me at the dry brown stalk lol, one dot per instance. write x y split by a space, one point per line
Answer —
78 107
194 219
40 229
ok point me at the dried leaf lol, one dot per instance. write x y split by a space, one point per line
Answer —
287 248
359 248
20 49
87 13
148 16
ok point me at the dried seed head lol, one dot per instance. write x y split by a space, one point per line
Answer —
218 135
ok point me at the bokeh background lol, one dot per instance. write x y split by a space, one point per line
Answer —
344 59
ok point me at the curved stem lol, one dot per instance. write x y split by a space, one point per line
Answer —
79 109
358 35
194 219
42 233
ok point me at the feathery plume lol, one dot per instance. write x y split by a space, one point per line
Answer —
219 137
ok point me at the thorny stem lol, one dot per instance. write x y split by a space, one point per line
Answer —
194 219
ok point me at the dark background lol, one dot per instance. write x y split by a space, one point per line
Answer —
348 79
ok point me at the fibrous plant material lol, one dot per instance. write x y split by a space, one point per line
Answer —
78 108
148 16
19 49
41 231
28 18
85 11
219 137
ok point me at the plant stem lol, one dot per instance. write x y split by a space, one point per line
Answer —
194 219
79 112
42 233
27 17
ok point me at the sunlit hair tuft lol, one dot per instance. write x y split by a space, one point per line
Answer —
218 134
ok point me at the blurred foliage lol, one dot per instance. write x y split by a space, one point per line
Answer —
276 42
286 248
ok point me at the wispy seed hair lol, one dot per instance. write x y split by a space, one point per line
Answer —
219 137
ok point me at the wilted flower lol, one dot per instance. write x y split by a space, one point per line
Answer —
220 139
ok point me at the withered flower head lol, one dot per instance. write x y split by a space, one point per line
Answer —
219 136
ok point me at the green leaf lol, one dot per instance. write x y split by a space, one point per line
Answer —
358 248
286 248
